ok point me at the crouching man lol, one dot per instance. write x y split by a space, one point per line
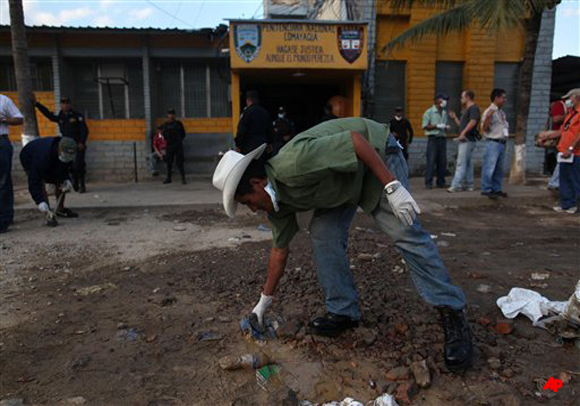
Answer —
47 161
333 168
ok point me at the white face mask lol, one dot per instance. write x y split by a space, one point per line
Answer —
569 103
398 118
281 115
443 103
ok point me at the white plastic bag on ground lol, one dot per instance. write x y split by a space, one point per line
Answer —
572 310
385 400
529 303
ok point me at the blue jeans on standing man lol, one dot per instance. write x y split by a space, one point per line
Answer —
329 234
569 183
492 168
6 190
436 160
464 172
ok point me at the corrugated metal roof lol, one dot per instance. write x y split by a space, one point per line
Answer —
296 21
219 28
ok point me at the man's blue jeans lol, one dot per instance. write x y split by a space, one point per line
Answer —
329 234
554 182
492 168
464 172
436 160
570 183
6 190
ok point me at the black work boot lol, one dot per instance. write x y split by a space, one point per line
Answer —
458 350
167 180
75 182
331 325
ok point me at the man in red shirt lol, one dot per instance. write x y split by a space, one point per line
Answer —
159 150
569 155
558 111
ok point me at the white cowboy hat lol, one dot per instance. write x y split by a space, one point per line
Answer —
228 173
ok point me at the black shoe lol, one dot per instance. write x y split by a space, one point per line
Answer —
500 194
68 213
428 187
458 349
443 186
51 221
183 181
166 181
82 189
3 229
331 325
76 185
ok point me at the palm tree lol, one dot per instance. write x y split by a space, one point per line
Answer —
493 16
22 68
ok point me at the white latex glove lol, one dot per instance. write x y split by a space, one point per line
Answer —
66 186
43 207
402 203
260 309
441 126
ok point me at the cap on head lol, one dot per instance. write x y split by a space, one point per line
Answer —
398 109
65 99
573 92
67 149
442 96
171 111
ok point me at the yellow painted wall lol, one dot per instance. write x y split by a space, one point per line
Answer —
477 49
203 125
116 130
46 127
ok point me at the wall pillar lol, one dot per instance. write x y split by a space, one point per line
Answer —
146 60
55 59
236 110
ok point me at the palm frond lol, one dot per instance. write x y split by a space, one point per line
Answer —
407 4
498 15
455 19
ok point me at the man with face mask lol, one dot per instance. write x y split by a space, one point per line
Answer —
436 126
71 124
402 130
48 160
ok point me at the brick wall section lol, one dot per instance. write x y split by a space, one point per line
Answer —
203 125
116 130
540 97
46 127
479 64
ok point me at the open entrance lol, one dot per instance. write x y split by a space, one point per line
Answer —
302 93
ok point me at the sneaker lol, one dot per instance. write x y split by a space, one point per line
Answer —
571 210
452 190
470 189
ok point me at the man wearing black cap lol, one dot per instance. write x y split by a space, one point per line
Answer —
436 125
174 133
47 160
401 128
254 127
71 124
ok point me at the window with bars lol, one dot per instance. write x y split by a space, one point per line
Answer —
389 89
507 77
194 88
449 79
40 70
105 89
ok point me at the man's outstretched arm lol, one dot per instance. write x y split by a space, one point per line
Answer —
368 156
276 265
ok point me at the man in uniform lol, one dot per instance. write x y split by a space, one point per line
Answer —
255 126
332 168
48 160
71 124
174 134
402 130
9 115
283 131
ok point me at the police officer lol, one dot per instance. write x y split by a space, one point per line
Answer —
255 126
47 160
71 124
174 133
283 130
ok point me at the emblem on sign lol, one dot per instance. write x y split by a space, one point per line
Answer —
350 42
248 41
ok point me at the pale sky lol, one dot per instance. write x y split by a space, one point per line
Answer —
188 14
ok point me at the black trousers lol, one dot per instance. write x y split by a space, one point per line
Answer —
78 168
175 153
6 190
436 160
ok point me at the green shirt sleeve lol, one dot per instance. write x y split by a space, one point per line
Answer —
426 119
284 228
310 159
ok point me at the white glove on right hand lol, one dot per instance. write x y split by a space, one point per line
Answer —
66 186
404 206
260 309
441 126
43 207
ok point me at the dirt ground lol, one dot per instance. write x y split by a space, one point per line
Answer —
109 309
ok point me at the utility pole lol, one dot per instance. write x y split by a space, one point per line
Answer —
22 70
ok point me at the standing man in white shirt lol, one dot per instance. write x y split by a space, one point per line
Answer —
9 115
496 132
